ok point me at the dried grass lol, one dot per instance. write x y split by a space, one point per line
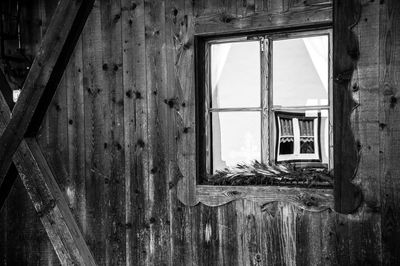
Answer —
257 173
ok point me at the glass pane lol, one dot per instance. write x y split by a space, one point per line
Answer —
236 138
286 145
300 71
307 145
306 127
235 74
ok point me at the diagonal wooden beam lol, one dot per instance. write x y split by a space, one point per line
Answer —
48 199
51 205
12 174
46 71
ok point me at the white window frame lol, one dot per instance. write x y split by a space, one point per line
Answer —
296 155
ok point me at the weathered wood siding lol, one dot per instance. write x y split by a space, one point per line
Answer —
112 131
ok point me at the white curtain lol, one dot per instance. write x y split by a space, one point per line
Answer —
219 54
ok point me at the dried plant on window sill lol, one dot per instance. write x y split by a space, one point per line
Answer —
257 173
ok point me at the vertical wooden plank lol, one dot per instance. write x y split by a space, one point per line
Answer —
328 253
288 222
365 234
94 127
76 189
113 108
251 233
228 252
309 240
175 17
190 239
207 230
53 137
365 84
345 57
185 83
389 62
135 126
157 209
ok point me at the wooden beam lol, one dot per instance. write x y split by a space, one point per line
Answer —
346 152
222 23
40 85
48 200
310 199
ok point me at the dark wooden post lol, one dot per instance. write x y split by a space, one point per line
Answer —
345 56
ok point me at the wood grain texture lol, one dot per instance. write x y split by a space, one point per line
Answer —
308 199
156 183
240 232
185 117
135 126
222 23
389 66
95 114
346 152
113 120
75 189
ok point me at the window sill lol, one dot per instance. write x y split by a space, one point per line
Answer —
310 199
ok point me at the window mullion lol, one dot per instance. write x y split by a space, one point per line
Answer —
265 101
296 137
207 105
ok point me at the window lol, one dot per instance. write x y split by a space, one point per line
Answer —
266 98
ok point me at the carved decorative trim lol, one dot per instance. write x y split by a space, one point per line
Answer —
347 153
315 200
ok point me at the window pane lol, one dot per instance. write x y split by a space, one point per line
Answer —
235 74
286 145
307 145
236 138
300 71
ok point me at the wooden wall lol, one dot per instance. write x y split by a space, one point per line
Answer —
111 136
